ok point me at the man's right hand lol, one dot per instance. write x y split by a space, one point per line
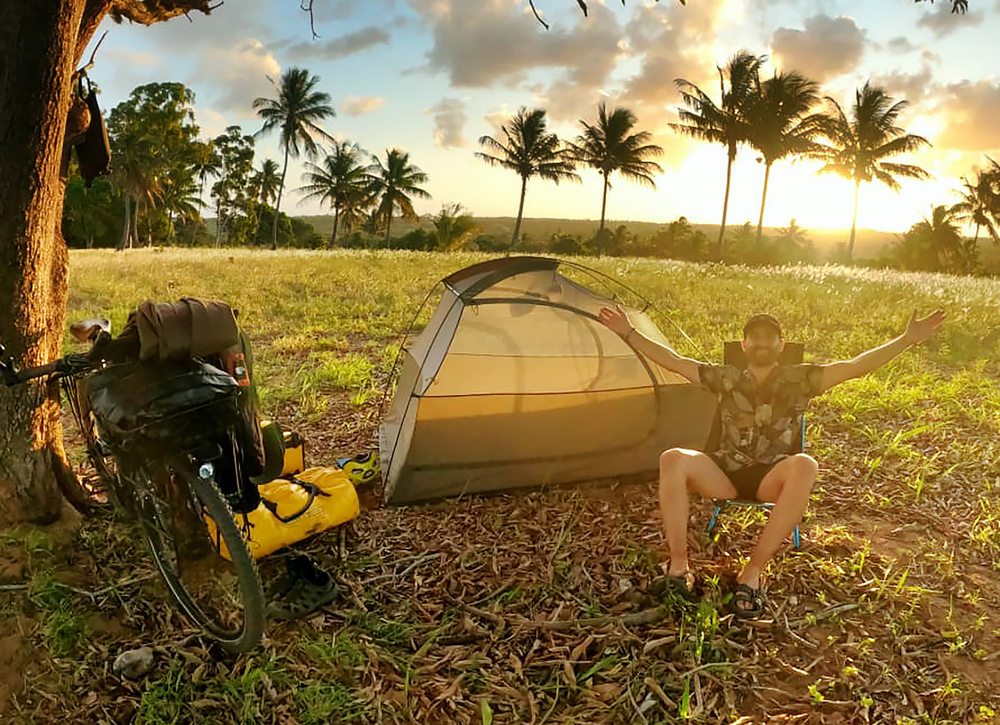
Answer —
616 319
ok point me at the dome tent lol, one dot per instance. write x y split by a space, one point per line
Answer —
515 382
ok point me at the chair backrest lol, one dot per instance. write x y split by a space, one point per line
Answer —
733 355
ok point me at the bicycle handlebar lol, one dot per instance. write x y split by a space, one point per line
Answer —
68 365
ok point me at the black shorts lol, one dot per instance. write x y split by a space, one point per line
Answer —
747 480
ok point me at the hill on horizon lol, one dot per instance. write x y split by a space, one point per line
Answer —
869 242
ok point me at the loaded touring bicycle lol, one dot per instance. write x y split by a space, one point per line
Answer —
168 416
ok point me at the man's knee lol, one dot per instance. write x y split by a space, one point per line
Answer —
677 460
804 469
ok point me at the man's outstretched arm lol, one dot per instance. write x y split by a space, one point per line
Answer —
916 332
616 319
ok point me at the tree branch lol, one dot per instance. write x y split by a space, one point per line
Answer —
307 6
147 12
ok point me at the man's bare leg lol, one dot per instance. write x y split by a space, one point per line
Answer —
787 486
684 471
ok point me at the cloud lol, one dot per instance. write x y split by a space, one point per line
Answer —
900 44
239 74
127 56
828 47
449 123
489 42
358 105
678 43
942 22
910 87
496 119
972 115
341 46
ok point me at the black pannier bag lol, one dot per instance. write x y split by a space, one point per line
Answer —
184 403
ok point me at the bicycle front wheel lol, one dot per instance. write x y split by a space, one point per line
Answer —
221 594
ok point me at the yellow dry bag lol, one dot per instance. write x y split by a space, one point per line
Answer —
295 508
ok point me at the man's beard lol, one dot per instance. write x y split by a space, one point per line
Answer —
762 355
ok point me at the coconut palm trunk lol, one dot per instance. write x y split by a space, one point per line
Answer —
854 224
604 199
277 203
127 227
520 211
763 202
725 206
336 223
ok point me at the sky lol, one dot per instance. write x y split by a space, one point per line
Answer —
433 76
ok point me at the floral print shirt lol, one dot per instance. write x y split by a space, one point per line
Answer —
759 423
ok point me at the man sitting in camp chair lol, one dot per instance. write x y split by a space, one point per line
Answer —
760 410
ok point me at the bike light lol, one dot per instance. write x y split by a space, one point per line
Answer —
206 471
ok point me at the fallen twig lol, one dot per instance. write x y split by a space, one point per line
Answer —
825 614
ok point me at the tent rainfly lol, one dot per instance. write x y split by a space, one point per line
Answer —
515 382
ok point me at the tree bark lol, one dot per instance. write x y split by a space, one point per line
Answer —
854 224
520 211
763 201
604 201
127 228
39 45
277 204
336 221
725 205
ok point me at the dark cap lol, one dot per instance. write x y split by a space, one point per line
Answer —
762 319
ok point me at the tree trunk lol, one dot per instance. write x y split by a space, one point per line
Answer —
277 204
38 50
604 206
133 238
975 240
388 228
604 201
854 224
763 201
336 222
725 205
126 230
520 211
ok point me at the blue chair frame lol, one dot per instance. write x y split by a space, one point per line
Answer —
734 356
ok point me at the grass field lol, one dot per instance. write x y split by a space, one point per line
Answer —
533 607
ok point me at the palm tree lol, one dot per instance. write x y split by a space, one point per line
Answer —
608 146
936 244
862 142
453 226
779 124
980 204
206 162
266 181
339 180
529 150
393 184
726 123
297 113
178 198
136 172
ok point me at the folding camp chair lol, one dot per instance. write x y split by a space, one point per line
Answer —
734 355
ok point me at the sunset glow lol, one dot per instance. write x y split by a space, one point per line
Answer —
431 77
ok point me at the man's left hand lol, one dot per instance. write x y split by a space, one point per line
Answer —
918 330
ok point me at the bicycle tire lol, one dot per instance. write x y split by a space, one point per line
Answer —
246 637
